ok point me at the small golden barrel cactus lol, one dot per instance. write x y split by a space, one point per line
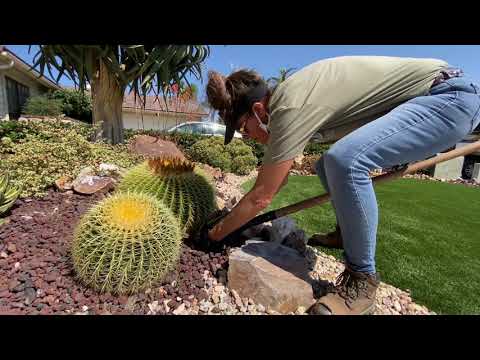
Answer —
126 243
177 183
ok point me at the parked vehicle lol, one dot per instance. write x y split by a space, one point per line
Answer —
202 128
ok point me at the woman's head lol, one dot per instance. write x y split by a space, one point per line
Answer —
241 100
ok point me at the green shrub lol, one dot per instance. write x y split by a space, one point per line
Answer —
184 140
15 130
42 105
56 149
236 156
257 148
35 163
243 164
313 148
75 104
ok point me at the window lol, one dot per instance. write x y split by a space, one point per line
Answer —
219 129
199 128
184 128
17 95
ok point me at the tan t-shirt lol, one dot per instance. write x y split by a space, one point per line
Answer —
340 95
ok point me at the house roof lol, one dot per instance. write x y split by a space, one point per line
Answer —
24 67
154 104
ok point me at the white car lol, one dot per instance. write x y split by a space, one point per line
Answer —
202 128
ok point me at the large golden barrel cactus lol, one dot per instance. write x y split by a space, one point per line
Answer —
177 183
126 243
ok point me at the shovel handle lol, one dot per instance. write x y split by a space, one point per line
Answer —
321 199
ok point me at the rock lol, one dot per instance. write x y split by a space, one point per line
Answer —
220 202
300 311
108 170
397 306
296 240
153 147
222 306
30 295
165 304
13 284
215 173
232 202
88 185
64 183
86 171
272 275
281 228
180 310
205 306
3 255
51 277
261 308
298 160
237 298
11 248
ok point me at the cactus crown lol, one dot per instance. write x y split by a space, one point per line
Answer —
129 214
169 165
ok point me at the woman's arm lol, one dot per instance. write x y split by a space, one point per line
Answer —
269 181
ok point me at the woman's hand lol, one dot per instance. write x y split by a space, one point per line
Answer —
270 179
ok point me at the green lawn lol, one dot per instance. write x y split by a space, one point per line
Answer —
428 238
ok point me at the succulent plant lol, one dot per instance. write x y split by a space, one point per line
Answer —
8 194
126 243
186 190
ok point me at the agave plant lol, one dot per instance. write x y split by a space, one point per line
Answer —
8 194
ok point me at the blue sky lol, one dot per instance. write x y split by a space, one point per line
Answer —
268 59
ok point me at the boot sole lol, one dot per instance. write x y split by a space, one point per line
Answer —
314 243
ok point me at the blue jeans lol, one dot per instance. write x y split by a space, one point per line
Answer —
414 130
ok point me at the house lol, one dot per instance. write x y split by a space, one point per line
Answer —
17 83
159 114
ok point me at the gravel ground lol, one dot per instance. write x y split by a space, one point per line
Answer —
36 275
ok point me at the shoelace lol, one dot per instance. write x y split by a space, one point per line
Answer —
349 286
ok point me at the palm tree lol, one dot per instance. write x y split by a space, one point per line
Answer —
284 74
109 69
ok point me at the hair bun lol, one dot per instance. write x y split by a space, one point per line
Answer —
217 94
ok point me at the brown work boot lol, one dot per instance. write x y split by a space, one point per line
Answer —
331 240
354 294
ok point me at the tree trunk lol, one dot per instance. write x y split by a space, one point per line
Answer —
107 100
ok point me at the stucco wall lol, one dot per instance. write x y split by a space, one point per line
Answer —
35 88
3 98
132 120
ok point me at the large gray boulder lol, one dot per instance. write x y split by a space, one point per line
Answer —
272 275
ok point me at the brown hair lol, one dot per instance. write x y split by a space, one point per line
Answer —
228 94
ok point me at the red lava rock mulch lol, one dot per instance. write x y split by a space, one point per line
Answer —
36 273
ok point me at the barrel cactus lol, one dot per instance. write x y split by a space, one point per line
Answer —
177 183
126 243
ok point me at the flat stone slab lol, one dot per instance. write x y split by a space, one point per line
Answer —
154 147
272 275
